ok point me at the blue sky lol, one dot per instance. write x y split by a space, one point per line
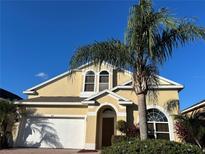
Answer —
38 39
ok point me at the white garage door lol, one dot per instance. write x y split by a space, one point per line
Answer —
52 133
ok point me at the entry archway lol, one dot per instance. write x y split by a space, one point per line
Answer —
106 125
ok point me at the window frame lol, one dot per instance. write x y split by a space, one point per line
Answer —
155 132
104 83
154 123
89 83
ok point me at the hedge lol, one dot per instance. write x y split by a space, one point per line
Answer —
151 147
120 138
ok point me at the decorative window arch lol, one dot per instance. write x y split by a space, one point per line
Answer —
158 126
103 80
89 81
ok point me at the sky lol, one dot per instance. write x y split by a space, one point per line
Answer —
38 38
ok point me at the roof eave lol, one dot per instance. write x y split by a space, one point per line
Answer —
29 92
179 87
192 107
49 103
87 102
125 102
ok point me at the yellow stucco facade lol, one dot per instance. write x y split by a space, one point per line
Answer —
119 98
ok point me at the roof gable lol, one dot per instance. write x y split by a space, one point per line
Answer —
114 95
163 80
32 89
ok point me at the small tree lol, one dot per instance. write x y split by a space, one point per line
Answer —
8 116
190 128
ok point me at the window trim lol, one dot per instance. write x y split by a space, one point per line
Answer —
159 115
155 132
90 70
108 83
169 118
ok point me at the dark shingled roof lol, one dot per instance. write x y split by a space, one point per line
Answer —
8 95
54 99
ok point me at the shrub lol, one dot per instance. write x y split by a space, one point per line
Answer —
133 131
121 126
120 138
130 130
151 147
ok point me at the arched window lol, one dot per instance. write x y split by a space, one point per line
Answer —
89 81
103 80
158 126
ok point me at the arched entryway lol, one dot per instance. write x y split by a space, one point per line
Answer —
106 125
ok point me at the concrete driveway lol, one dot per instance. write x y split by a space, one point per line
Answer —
43 151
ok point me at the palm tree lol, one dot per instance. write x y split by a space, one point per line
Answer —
149 41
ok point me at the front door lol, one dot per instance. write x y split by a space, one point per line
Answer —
107 131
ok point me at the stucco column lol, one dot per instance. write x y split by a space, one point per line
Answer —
90 138
121 115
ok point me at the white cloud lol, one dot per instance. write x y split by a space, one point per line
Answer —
42 75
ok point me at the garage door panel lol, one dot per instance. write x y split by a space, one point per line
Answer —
53 133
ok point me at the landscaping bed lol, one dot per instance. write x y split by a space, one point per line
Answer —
135 146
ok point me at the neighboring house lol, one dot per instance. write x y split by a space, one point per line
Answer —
198 107
4 94
79 109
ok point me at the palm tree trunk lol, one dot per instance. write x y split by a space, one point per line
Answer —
142 116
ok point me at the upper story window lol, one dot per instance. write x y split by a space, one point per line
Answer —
158 126
103 80
89 81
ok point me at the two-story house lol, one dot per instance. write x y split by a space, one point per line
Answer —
79 109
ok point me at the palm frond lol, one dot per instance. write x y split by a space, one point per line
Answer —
150 39
156 33
111 51
173 38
